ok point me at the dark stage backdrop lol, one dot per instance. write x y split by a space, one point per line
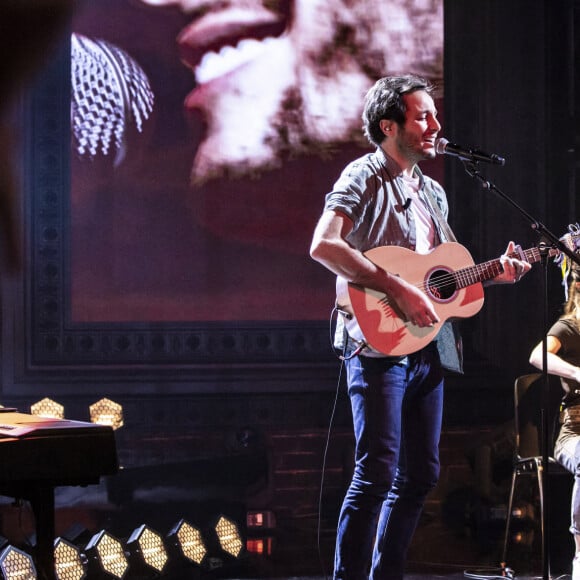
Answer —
510 89
167 240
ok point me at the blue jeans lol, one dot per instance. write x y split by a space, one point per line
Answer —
567 453
397 409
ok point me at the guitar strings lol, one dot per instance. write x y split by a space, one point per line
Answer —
450 279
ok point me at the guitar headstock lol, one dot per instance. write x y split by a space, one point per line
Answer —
572 241
572 238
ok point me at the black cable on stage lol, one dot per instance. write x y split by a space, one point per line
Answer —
490 573
326 446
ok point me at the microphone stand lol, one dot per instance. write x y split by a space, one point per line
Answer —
471 167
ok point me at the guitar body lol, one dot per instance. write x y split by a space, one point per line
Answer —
383 328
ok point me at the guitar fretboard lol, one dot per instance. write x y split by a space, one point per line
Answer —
488 270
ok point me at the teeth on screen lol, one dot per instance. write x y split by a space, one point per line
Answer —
216 64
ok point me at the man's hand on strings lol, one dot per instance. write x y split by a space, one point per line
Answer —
414 304
513 268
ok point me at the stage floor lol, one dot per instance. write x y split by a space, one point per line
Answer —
467 575
297 551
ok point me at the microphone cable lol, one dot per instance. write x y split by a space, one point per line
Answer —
327 443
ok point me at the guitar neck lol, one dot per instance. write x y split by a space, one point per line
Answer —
488 270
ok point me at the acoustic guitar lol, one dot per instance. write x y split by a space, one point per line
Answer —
447 275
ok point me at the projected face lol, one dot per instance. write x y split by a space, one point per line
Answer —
274 79
212 219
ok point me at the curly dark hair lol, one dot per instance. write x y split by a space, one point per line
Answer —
385 101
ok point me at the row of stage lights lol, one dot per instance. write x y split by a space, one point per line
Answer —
145 554
103 412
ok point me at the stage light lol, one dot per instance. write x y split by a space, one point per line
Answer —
106 556
260 546
260 520
523 538
523 511
17 565
147 547
260 524
107 412
69 563
189 541
47 408
229 536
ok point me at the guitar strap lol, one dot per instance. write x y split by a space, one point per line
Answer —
445 232
449 343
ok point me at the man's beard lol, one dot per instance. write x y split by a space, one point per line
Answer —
411 149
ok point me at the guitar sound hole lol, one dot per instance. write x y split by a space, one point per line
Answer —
441 285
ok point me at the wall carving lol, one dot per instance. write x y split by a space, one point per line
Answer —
47 343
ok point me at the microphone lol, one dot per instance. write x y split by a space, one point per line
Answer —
110 97
442 146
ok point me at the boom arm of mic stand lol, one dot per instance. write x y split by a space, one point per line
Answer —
472 170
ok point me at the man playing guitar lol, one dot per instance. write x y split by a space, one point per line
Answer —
383 200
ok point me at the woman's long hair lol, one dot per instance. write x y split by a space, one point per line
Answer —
572 307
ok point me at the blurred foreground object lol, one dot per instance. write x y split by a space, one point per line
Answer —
28 30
